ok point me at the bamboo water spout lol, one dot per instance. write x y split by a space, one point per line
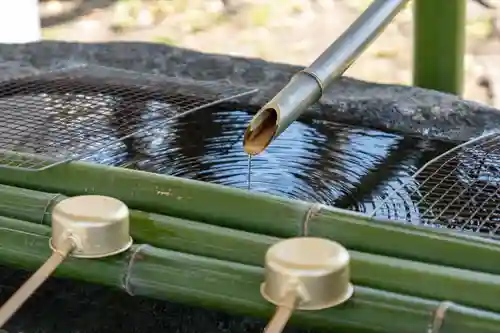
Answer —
306 87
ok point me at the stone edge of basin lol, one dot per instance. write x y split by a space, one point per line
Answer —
395 108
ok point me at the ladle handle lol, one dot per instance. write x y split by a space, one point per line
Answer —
28 288
282 314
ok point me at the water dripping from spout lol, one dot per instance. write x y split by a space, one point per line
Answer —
249 173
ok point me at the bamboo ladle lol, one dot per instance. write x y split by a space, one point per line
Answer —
305 273
88 226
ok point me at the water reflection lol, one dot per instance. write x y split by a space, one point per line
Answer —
313 160
458 191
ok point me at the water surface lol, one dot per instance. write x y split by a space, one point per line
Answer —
99 111
314 160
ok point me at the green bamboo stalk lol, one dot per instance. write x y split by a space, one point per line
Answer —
168 195
397 275
419 244
200 281
439 44
260 213
158 230
29 205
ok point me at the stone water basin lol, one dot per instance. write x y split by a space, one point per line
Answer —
362 140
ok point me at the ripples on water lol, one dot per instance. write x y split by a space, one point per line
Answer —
317 161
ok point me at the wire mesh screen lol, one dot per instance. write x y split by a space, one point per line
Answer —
459 190
71 114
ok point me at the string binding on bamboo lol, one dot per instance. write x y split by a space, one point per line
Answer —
87 226
305 273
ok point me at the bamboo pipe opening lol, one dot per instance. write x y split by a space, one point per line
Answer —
261 131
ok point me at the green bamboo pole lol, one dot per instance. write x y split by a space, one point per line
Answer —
420 244
439 44
381 272
200 281
260 213
169 195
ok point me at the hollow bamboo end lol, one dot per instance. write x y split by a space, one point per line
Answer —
261 131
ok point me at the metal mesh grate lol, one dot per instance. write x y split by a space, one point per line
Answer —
459 190
71 114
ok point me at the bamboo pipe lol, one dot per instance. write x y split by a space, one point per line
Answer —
238 209
307 86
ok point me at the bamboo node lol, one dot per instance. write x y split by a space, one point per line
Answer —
316 78
438 317
135 253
